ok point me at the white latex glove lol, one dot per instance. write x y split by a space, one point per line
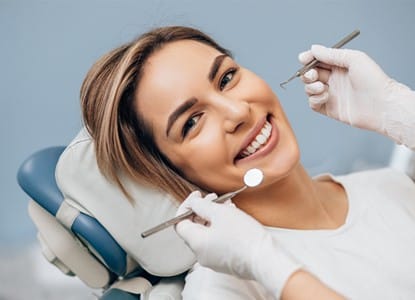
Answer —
350 87
233 242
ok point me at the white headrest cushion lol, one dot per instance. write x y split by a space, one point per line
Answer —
82 184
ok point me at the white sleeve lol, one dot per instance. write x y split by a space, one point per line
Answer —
203 284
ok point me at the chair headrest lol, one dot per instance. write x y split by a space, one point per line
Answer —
36 177
83 186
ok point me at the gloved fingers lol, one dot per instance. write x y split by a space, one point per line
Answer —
192 233
323 66
203 207
196 219
305 57
315 88
324 75
211 197
317 102
310 76
319 74
331 56
229 202
184 207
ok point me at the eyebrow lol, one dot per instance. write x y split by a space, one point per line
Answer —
185 106
215 66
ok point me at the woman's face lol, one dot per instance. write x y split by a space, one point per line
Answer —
213 118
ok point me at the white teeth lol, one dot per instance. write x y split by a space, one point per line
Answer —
256 144
251 149
259 140
267 129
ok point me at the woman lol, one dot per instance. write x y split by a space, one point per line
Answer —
174 110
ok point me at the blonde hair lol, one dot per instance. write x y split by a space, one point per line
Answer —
124 144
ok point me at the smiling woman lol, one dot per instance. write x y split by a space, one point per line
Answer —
123 141
210 106
173 110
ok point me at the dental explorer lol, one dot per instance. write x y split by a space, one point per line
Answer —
252 178
314 62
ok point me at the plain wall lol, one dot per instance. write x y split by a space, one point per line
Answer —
47 46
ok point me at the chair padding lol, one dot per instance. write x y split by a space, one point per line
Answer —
61 248
84 187
36 176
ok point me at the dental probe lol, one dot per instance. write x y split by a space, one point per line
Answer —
314 62
252 178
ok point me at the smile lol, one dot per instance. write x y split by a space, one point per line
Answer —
258 142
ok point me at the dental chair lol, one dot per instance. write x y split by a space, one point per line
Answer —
89 229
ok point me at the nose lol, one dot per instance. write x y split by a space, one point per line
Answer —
234 111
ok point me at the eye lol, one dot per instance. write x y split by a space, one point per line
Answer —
227 77
190 123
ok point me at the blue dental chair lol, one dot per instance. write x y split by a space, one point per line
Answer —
72 235
36 177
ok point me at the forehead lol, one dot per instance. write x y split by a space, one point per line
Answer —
180 52
176 72
176 62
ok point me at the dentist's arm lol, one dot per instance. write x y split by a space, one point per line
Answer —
235 243
350 87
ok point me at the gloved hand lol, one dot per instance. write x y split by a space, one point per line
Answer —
233 242
350 87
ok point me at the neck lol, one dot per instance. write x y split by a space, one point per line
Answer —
296 201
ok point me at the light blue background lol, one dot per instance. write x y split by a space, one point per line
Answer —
47 46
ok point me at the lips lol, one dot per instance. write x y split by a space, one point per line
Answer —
260 140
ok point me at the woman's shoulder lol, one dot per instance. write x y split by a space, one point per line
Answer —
377 177
370 177
388 184
379 183
204 283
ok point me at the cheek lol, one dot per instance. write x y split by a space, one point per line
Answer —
200 159
255 86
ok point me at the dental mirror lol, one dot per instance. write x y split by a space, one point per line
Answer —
252 178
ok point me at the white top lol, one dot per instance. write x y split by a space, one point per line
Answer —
371 256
